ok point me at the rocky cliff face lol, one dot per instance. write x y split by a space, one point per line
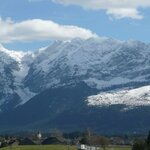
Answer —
102 63
13 69
117 73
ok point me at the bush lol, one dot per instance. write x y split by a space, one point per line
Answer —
139 145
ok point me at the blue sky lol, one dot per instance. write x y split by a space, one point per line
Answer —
102 21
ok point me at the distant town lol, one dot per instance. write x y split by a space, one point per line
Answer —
86 140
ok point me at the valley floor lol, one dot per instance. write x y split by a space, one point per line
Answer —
56 147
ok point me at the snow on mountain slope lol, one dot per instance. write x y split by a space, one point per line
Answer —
73 59
102 63
16 55
99 62
23 92
13 69
131 98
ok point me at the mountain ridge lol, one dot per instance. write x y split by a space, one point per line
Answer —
117 73
96 61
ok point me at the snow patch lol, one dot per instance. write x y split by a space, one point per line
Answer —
25 94
21 73
16 55
130 98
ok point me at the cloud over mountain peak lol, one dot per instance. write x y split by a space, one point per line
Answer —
39 30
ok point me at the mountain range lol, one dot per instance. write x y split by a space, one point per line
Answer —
101 83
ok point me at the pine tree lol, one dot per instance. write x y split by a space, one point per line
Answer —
148 141
139 145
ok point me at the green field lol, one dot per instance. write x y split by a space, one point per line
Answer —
40 147
55 147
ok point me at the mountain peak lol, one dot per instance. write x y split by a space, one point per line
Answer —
16 55
116 74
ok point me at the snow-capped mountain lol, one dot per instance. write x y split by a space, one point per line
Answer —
98 62
105 64
101 63
77 77
13 69
131 98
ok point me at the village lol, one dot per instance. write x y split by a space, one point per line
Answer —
82 141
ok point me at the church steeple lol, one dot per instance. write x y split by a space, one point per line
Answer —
39 135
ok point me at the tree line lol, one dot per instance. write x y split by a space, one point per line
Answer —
142 144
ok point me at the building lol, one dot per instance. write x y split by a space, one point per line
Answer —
86 147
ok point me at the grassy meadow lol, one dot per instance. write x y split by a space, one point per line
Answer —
40 147
55 147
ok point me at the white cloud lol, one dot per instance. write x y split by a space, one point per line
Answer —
120 13
116 8
37 29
